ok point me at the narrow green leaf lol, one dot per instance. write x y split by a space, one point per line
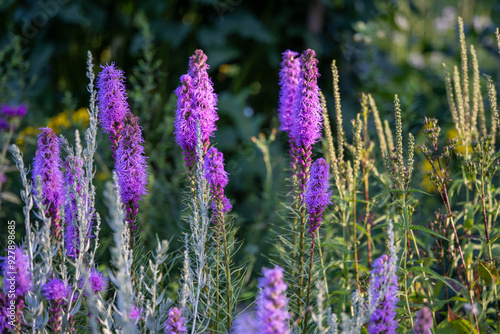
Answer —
451 283
428 230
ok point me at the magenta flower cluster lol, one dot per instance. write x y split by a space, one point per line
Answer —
112 102
423 321
289 80
175 322
18 272
217 180
272 312
9 114
383 319
97 281
56 292
318 193
47 165
196 103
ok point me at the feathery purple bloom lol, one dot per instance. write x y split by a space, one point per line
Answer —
318 194
56 291
289 80
307 116
47 165
135 313
383 319
175 322
112 102
185 117
423 321
272 313
97 281
245 323
217 180
131 166
18 271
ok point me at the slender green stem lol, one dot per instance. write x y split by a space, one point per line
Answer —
308 299
301 258
228 276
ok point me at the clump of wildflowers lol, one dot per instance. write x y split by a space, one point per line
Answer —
14 111
423 322
131 167
113 105
217 180
272 313
56 292
47 165
175 322
318 194
384 289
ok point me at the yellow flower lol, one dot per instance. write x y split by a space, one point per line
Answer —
426 183
59 122
81 116
460 147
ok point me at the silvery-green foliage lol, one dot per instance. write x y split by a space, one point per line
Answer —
121 258
332 322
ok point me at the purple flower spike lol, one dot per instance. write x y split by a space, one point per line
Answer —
70 208
307 126
56 291
289 80
318 194
217 180
205 100
383 319
112 102
47 165
272 313
18 273
14 111
175 322
131 167
185 120
135 313
423 322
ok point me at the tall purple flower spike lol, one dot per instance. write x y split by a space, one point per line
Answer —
47 165
289 80
217 180
383 319
196 103
72 179
272 313
423 321
318 194
307 119
175 322
112 102
56 292
131 167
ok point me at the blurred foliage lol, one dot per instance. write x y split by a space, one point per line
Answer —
381 47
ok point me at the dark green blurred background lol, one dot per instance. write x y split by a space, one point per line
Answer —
381 47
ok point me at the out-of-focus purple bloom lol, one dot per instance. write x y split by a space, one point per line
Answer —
245 323
4 313
56 292
4 124
272 313
217 180
14 111
175 322
318 194
135 313
131 166
196 102
47 165
112 102
423 321
383 319
18 272
97 281
289 80
307 117
72 178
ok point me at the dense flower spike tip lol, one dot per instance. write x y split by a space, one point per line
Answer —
97 281
18 272
131 166
205 100
383 319
423 321
318 194
217 179
272 310
112 101
308 119
289 80
47 165
72 179
56 292
185 116
175 322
